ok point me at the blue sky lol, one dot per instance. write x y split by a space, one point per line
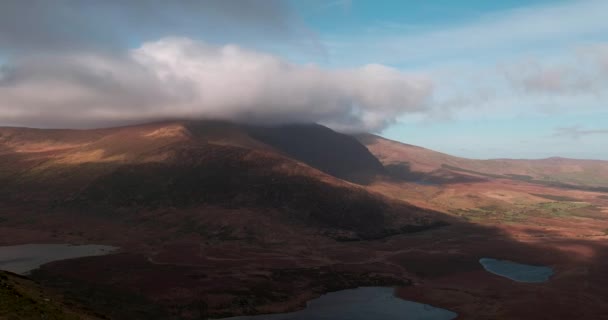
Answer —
476 78
523 124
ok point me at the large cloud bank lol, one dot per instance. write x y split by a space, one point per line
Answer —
71 63
183 78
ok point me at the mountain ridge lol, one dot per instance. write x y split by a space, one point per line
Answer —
556 171
307 171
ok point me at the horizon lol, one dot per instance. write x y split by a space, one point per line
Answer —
484 80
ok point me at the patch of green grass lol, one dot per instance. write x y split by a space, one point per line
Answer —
554 197
491 213
562 209
520 212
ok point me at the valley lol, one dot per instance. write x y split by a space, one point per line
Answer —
215 219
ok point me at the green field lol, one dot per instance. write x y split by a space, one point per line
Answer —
519 213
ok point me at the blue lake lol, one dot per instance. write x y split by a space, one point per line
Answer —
517 271
361 304
22 259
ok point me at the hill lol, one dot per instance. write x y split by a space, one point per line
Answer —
415 162
200 209
217 219
303 171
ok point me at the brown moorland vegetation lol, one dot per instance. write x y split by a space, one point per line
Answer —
217 219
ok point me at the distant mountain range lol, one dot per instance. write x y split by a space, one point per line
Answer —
413 162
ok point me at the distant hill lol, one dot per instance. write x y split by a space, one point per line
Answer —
419 163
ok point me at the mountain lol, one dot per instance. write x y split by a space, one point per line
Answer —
194 207
303 171
413 162
215 219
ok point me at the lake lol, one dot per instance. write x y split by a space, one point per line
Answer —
360 304
517 271
22 259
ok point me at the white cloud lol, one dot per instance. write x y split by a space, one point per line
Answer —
536 59
183 78
571 81
576 132
67 25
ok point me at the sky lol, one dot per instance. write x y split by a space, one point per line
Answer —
474 78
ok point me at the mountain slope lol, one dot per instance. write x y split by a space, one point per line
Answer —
337 154
21 298
552 171
192 164
211 217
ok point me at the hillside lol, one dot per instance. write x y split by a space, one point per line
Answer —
215 219
413 161
23 299
199 208
302 171
339 155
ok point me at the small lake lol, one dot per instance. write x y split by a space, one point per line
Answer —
360 304
22 259
517 271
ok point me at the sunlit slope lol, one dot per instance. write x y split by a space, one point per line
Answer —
553 171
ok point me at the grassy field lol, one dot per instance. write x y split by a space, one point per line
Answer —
554 197
517 213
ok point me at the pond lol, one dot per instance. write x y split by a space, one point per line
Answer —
361 304
517 271
22 259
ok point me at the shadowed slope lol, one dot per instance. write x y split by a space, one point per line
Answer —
334 153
